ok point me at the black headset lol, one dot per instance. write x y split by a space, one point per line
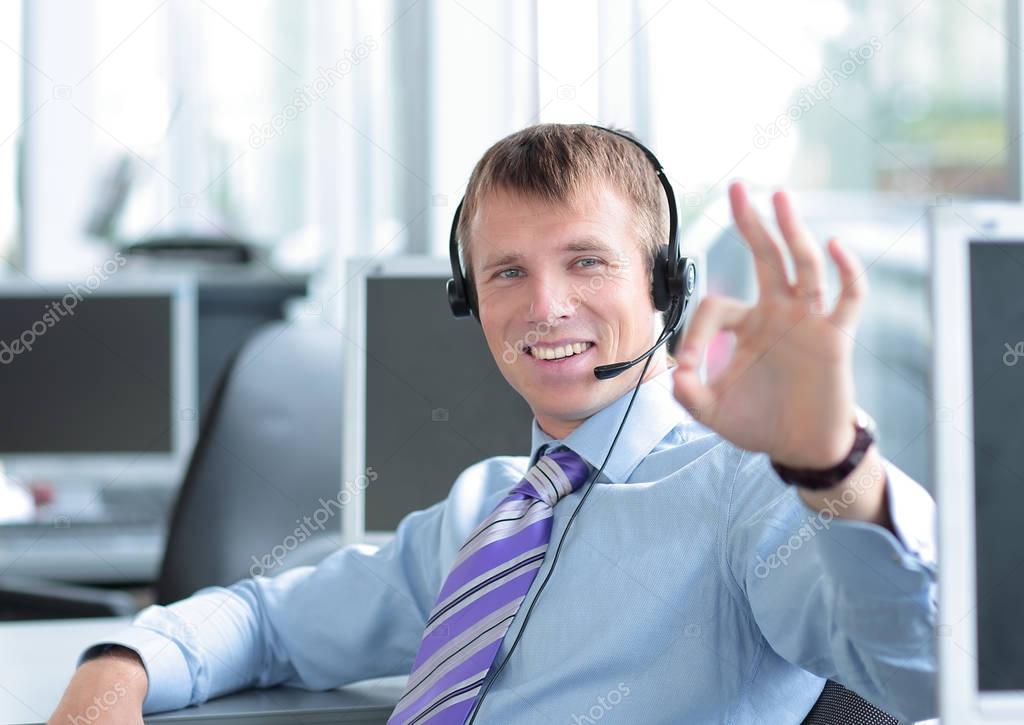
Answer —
674 278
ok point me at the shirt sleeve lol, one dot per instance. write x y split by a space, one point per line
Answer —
845 600
358 614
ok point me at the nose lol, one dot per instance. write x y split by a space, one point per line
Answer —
549 300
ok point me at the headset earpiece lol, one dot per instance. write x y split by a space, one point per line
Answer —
659 280
460 296
457 301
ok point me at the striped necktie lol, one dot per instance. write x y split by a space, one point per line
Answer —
488 581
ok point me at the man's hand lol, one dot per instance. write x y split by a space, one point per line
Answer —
788 389
107 689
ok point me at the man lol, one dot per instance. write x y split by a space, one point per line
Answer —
694 586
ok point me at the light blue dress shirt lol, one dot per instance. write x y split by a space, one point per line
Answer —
694 586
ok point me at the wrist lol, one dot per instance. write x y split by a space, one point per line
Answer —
118 668
862 496
860 438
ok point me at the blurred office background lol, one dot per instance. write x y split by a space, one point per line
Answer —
292 137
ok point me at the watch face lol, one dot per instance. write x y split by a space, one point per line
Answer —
864 420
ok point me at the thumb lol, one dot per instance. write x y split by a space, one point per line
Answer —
692 394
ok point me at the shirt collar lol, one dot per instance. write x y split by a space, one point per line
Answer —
654 414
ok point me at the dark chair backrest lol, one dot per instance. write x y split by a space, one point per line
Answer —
269 449
839 706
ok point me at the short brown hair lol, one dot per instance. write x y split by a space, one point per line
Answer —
554 162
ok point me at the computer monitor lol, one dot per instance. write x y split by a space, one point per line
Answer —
98 380
978 315
424 398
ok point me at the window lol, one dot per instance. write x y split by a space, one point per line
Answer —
902 96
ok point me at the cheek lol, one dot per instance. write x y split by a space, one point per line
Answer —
496 338
496 308
628 311
622 304
491 335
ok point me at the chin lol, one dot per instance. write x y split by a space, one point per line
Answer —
574 397
574 408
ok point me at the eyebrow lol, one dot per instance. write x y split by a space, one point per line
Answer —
581 244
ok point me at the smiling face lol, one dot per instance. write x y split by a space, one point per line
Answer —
561 289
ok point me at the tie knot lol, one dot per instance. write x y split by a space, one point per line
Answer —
553 476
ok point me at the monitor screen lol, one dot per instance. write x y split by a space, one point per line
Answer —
95 379
435 400
997 335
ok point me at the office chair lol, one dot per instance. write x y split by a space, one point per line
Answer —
839 706
267 453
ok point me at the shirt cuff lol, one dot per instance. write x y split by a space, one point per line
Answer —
872 558
170 683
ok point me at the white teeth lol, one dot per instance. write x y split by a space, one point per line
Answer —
555 353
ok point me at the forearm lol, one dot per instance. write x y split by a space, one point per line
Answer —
843 597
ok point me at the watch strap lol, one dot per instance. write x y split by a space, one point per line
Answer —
820 479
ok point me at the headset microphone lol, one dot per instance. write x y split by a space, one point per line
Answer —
607 372
675 316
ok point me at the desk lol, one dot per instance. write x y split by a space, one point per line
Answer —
39 658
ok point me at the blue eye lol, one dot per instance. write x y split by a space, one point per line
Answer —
503 274
595 261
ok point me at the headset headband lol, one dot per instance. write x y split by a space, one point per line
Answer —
673 276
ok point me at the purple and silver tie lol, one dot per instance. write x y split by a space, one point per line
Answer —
488 581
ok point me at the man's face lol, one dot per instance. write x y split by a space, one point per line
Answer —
562 280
